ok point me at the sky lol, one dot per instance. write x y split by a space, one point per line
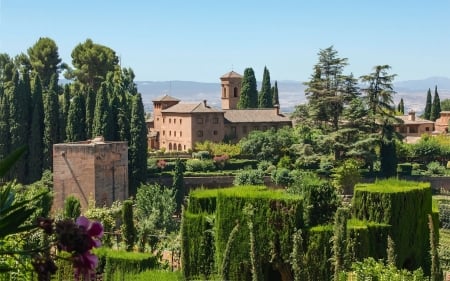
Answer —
200 40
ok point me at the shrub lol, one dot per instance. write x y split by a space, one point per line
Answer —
202 155
197 165
285 162
346 176
249 177
281 177
72 207
264 165
435 168
220 161
239 164
404 169
128 229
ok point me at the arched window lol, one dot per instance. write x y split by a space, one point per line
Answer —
235 92
170 146
179 147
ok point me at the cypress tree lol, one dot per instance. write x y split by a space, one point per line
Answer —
124 116
265 95
4 124
137 152
249 92
35 144
114 113
427 111
18 121
64 111
128 229
388 154
339 241
436 106
102 123
51 120
178 184
72 207
401 107
90 109
275 100
76 125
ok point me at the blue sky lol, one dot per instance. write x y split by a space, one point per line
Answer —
199 40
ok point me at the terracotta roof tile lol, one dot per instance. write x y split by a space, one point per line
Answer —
166 98
254 115
231 74
191 108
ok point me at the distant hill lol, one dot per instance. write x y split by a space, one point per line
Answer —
291 93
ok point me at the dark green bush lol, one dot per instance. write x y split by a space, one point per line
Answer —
239 164
198 165
281 177
404 169
249 177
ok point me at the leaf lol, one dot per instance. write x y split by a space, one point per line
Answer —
9 161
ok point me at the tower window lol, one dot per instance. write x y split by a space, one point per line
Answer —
235 92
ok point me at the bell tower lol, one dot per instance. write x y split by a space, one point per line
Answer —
231 89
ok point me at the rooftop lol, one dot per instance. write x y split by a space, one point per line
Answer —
254 115
231 74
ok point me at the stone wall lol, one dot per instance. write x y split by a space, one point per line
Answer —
90 170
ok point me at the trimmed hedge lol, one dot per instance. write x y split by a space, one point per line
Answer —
405 206
275 216
116 265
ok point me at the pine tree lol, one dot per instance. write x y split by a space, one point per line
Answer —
275 100
401 107
265 95
436 106
102 117
137 152
76 125
249 91
35 144
178 184
427 111
51 121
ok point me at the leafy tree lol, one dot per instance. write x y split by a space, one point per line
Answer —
178 184
275 99
265 97
35 143
249 92
401 107
128 228
51 114
76 125
445 105
92 62
436 106
427 111
102 124
44 58
138 145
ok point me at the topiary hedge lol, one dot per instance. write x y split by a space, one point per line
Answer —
405 206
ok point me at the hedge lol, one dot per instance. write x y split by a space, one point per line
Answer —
405 206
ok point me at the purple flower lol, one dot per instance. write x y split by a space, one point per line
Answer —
94 229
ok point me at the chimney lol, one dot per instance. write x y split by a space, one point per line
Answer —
277 109
204 103
412 115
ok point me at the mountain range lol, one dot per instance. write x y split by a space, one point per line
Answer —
291 93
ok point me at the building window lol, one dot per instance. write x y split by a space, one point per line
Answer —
170 133
164 133
174 133
170 120
179 147
199 120
215 120
215 132
181 134
427 129
184 147
235 92
157 119
199 133
180 121
164 120
170 146
174 120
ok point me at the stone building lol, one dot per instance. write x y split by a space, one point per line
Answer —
177 126
442 123
413 127
90 170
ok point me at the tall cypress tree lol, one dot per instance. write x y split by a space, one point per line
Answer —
401 107
249 91
265 95
114 105
137 152
90 109
4 124
436 106
51 121
178 184
388 153
102 121
124 116
427 111
63 112
275 98
35 144
76 125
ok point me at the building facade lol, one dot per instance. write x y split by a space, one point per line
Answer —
177 126
90 170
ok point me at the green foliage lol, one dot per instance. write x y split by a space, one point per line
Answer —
320 198
249 92
44 59
239 164
370 269
445 104
346 176
178 184
117 265
427 149
427 111
159 275
297 255
339 240
197 165
275 99
435 168
51 115
404 169
137 151
401 107
249 177
265 97
102 124
72 207
128 228
108 216
436 106
76 123
405 206
155 206
35 143
281 177
436 271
